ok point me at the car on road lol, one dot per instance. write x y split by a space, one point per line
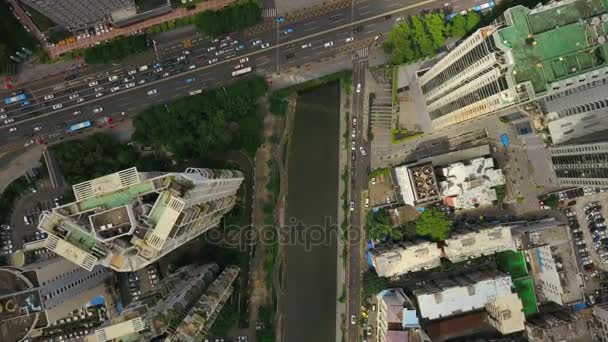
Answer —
13 129
93 83
328 44
26 144
49 96
128 79
25 103
244 60
354 134
219 52
399 19
192 67
98 95
152 92
307 45
352 206
378 36
57 106
80 100
256 42
98 89
358 87
288 30
353 319
212 60
353 146
358 29
112 78
2 110
98 110
280 20
77 112
354 122
211 48
73 96
362 150
3 116
114 89
9 120
367 202
132 72
37 128
130 85
141 82
265 45
240 47
190 80
238 66
349 39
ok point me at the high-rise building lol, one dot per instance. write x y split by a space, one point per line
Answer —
600 318
524 56
129 219
505 313
584 164
182 307
78 14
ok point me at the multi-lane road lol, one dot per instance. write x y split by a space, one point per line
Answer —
309 40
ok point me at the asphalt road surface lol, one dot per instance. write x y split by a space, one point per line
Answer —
51 108
359 170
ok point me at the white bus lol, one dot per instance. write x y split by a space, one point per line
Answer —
241 72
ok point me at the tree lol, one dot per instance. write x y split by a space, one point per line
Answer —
435 25
372 284
434 224
472 20
458 26
378 224
232 18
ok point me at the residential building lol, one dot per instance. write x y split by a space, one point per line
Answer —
470 185
581 164
561 325
395 314
393 260
472 242
129 219
600 317
80 14
505 313
446 297
524 56
182 307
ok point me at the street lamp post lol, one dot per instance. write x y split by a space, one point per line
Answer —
155 50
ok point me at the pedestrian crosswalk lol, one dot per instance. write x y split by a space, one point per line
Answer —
269 12
361 53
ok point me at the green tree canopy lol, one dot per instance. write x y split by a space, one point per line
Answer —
458 26
378 224
233 18
372 284
434 224
472 19
116 49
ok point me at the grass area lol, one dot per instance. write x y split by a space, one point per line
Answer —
271 239
501 193
525 290
402 135
380 172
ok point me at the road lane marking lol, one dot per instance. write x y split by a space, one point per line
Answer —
364 12
310 23
310 28
392 5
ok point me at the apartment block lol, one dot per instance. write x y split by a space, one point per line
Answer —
600 317
581 164
406 257
129 219
470 242
505 313
526 55
182 307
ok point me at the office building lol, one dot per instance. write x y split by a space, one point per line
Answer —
446 297
129 219
472 242
582 164
79 14
182 307
505 313
524 56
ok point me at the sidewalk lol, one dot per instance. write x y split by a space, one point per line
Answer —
57 50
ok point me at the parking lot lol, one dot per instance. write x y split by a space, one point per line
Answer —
381 191
591 236
141 281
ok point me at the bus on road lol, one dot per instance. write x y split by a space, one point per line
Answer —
15 99
241 72
81 125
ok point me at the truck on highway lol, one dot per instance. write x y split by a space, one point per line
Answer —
81 125
483 7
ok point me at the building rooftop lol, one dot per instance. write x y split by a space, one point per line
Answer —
555 42
21 308
408 257
506 313
446 297
472 243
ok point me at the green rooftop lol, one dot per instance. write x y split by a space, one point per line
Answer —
117 198
554 44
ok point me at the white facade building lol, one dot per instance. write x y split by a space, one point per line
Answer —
473 243
505 313
408 257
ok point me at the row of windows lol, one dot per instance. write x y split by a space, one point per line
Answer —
587 107
580 88
480 108
580 159
601 173
581 148
73 284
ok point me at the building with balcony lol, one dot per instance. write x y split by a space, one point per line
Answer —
182 307
468 292
129 219
581 164
524 56
393 260
474 242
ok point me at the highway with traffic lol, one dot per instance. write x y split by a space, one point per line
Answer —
49 109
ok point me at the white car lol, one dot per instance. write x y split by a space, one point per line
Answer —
244 60
256 42
57 106
7 121
238 66
113 89
132 72
28 143
13 129
192 67
49 96
166 74
92 84
151 92
367 202
98 89
362 150
307 45
211 48
212 60
353 319
358 87
328 44
80 100
349 39
112 78
352 206
37 128
99 95
73 96
128 79
3 116
219 52
378 36
130 85
142 81
98 110
265 45
1 110
77 112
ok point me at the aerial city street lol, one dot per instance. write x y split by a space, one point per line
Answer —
298 171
